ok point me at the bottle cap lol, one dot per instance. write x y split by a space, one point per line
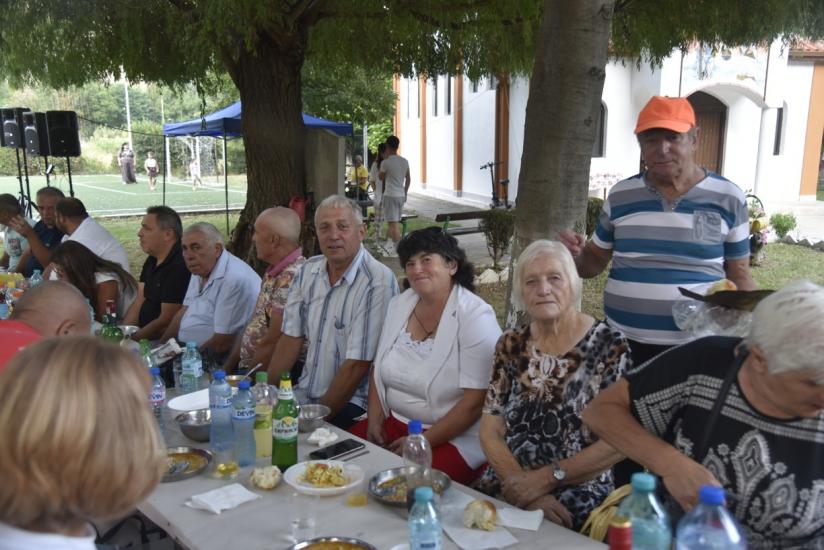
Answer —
191 345
712 495
415 427
244 384
644 482
261 377
423 494
155 371
219 375
620 533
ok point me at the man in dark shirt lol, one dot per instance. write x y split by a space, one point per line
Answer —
44 236
164 278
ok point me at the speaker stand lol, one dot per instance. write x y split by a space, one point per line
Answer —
46 171
28 187
23 201
69 172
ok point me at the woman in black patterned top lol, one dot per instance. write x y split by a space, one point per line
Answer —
544 374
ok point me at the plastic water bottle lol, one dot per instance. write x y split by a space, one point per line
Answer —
35 279
191 369
4 311
650 523
264 402
709 526
417 457
243 422
221 433
424 524
146 354
157 397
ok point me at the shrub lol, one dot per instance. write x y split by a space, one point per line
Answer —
498 226
782 223
594 206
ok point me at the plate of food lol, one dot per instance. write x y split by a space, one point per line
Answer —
389 486
333 543
185 462
323 477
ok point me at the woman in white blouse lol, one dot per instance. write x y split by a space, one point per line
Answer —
434 358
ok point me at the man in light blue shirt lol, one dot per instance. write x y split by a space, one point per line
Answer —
221 295
337 303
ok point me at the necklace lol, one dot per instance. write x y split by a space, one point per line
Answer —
418 319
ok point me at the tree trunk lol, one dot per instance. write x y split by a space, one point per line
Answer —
561 118
273 133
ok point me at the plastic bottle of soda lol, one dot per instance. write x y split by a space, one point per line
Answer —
110 331
417 457
243 421
709 526
264 403
35 279
157 397
191 369
221 433
146 354
650 522
285 426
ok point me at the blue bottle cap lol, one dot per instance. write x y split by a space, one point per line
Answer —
155 371
423 494
244 385
219 375
415 427
712 495
642 481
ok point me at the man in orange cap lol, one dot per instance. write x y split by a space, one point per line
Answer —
673 225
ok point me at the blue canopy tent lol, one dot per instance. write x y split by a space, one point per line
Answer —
225 123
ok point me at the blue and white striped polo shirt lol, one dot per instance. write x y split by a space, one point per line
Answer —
339 322
659 246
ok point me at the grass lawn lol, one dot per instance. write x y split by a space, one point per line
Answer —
784 263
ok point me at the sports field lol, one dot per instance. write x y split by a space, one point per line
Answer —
105 195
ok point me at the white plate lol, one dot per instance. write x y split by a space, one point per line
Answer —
353 472
191 401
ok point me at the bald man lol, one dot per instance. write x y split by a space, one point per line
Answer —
276 238
53 308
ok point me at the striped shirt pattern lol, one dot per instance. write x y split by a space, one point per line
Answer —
658 246
339 322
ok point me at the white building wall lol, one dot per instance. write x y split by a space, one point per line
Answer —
518 95
410 129
621 152
440 135
478 140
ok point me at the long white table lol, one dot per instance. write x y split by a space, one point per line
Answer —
264 523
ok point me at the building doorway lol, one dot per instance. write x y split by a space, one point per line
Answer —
711 118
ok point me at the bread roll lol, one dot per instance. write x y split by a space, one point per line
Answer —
723 284
267 477
480 514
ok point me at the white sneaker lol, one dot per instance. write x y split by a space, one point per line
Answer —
391 248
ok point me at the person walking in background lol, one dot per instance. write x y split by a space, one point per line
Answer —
394 173
194 173
125 159
151 170
377 187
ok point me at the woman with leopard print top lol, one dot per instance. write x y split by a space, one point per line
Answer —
540 454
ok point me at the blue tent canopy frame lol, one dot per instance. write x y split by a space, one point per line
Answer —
225 123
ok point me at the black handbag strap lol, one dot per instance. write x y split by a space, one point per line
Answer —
741 353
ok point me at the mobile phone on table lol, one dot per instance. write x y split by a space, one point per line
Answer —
337 450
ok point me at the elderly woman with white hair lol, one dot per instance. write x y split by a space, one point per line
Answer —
744 414
544 374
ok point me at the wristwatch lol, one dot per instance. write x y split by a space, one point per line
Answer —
557 472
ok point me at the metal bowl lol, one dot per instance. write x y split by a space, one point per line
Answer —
388 493
128 330
355 543
195 424
185 462
311 416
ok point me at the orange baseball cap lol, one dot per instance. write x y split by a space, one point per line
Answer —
670 113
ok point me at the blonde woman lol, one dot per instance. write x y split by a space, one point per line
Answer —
79 442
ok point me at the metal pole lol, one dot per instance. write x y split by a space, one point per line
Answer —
69 172
167 169
46 162
128 110
226 183
365 147
165 165
19 172
28 188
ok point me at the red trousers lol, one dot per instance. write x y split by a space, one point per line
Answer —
445 457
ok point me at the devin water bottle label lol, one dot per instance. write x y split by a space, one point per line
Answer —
285 429
157 396
245 413
220 402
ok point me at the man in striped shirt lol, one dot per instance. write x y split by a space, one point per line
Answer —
337 303
674 224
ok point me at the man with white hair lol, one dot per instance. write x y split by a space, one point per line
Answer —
221 294
276 238
336 305
744 414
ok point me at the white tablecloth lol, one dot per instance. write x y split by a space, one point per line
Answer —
264 523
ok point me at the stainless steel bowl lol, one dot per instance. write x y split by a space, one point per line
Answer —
195 424
311 416
385 486
308 544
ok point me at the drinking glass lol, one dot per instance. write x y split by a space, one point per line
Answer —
303 511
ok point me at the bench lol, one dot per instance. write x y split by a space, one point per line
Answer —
404 222
445 219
